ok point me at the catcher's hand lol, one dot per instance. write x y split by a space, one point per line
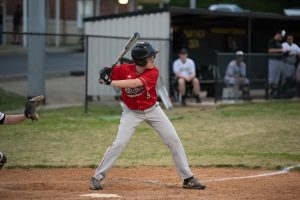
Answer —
3 159
30 107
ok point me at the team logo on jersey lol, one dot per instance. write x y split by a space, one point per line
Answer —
134 92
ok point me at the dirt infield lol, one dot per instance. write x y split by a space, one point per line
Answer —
146 183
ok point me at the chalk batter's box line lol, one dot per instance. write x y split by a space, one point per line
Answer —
156 182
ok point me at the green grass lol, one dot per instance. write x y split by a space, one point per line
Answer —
10 101
248 135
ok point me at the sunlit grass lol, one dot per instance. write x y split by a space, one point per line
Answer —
246 135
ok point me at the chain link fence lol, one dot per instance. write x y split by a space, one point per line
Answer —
236 75
63 66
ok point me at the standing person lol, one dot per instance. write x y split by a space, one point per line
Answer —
289 60
185 71
17 21
236 75
29 113
275 62
138 83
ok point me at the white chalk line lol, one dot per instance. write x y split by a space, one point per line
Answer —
156 182
283 171
98 195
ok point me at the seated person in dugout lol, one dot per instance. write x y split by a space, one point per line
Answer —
185 71
236 75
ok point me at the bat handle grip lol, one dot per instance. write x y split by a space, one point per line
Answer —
101 81
113 65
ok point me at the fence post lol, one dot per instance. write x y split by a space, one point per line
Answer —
36 48
216 78
4 24
57 23
25 22
267 79
86 58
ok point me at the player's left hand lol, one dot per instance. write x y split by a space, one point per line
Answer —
105 76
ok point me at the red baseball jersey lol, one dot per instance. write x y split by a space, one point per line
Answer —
139 98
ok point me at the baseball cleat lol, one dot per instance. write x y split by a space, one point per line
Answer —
193 183
95 184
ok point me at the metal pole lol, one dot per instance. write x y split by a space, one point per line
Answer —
216 78
25 22
86 58
249 56
4 22
193 4
171 92
132 6
97 7
249 34
57 22
36 48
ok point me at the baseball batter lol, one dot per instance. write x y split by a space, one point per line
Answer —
138 84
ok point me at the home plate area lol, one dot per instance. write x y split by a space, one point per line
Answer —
149 183
97 195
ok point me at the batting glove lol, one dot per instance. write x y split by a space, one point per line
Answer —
105 74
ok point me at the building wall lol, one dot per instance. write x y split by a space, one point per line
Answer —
68 16
69 7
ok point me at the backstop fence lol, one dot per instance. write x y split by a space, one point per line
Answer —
83 55
78 55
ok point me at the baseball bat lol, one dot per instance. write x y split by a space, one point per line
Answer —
128 46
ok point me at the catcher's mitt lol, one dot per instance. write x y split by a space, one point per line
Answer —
3 159
30 107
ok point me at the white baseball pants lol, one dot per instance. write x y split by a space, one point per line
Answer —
158 120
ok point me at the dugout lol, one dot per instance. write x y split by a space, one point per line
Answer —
201 31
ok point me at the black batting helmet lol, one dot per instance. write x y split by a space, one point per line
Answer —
141 51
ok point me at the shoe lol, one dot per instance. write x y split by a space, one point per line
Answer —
193 183
198 99
95 184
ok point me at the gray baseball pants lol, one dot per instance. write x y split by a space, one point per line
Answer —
158 120
275 70
288 70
